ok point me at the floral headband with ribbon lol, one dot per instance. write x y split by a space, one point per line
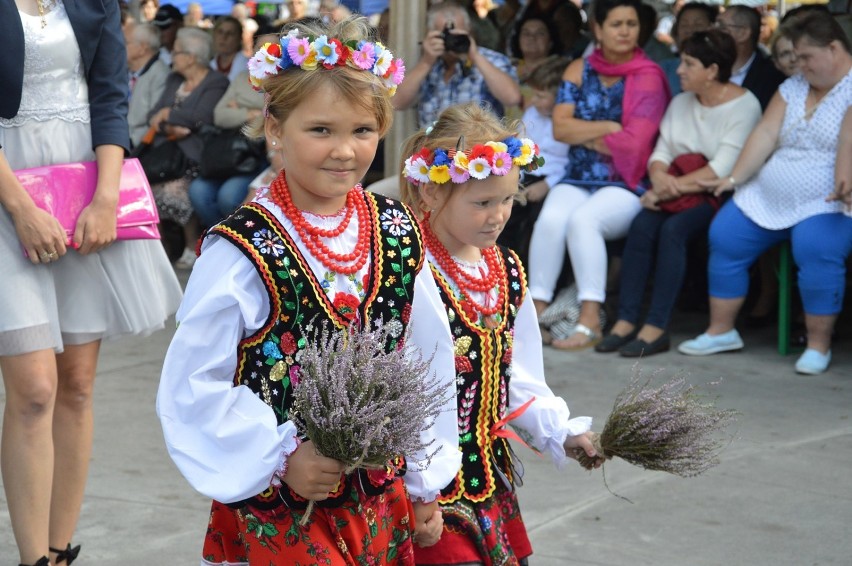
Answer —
312 53
482 160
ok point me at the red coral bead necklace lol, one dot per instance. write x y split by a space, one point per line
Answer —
347 263
466 282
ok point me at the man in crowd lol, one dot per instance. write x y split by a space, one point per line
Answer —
452 69
168 20
752 69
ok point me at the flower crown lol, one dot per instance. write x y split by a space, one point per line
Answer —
482 160
310 53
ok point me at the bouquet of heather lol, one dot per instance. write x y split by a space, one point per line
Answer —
670 428
364 397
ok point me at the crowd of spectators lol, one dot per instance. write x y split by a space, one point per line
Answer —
593 84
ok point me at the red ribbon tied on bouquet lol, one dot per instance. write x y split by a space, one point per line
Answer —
499 428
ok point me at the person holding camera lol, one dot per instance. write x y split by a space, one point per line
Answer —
452 69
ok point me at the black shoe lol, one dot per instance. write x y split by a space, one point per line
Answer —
43 561
613 342
68 555
638 347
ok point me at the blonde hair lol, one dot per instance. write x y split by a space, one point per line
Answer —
476 124
289 88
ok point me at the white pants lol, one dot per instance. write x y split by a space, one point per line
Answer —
584 221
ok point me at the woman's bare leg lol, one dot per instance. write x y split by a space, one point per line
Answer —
72 437
26 457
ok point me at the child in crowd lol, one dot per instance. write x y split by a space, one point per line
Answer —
313 248
463 176
544 81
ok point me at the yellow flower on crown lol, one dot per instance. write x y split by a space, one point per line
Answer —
497 146
439 174
310 62
527 153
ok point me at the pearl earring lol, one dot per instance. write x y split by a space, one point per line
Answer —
274 143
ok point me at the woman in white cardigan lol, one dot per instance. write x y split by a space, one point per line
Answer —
703 131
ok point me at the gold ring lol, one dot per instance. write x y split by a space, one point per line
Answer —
43 256
52 255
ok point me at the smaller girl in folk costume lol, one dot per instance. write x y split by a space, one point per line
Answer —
463 176
315 249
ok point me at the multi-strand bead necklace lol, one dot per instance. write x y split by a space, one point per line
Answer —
312 236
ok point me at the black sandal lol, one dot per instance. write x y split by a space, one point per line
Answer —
43 561
68 555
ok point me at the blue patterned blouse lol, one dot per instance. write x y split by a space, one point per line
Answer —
593 101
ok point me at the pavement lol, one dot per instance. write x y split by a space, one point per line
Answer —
781 494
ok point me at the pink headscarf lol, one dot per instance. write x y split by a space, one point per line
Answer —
646 95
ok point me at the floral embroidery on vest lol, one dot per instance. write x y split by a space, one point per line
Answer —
268 360
483 360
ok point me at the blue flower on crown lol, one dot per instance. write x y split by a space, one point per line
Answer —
326 51
514 146
441 158
285 61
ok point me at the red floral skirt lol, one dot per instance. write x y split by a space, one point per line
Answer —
372 530
491 532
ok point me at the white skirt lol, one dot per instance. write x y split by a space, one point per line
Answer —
128 288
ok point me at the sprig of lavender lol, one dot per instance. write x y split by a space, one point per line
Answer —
361 404
670 428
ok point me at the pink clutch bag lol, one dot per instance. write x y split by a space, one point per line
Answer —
64 190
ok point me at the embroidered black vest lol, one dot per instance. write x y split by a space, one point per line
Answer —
483 356
268 359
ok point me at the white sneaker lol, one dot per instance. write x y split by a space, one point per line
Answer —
705 344
813 362
186 260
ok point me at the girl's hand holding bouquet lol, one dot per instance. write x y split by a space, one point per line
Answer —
310 474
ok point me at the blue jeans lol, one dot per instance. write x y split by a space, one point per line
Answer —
214 199
666 236
820 245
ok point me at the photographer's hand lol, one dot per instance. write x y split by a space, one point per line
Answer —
433 47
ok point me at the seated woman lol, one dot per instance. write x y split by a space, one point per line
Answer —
784 180
214 199
609 110
192 91
228 57
701 135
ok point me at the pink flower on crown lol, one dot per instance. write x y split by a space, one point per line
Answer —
365 56
502 163
298 49
395 73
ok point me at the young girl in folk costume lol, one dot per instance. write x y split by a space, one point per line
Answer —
313 249
463 176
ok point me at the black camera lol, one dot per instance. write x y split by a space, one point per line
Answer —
455 42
